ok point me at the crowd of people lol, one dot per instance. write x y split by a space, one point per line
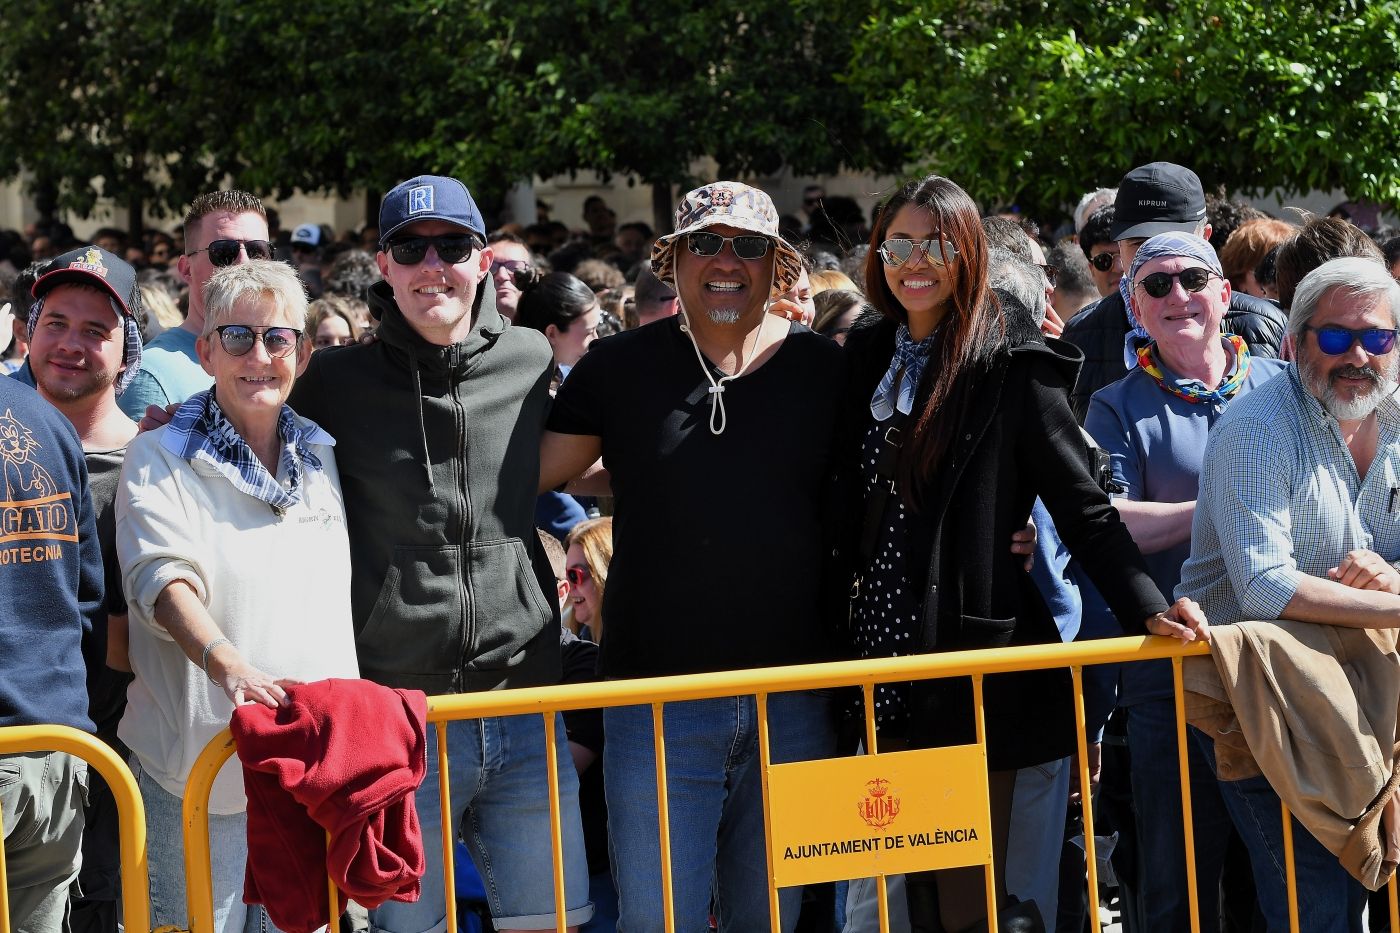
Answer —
433 454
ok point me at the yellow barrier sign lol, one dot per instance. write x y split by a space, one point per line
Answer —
879 814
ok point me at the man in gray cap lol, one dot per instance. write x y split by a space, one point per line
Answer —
1159 197
724 393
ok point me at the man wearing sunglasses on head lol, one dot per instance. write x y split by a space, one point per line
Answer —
1156 198
1296 521
717 427
222 228
437 425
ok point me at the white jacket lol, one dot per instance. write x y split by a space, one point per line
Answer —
278 587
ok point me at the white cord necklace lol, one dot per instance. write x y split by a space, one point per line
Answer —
719 417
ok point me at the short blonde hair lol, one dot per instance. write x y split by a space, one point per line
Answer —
827 279
259 280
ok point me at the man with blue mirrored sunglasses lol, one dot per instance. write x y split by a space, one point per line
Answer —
1297 521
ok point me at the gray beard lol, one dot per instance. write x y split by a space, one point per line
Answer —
1360 407
723 315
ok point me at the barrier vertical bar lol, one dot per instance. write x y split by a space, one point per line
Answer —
1188 838
1091 854
4 886
449 837
1292 868
199 884
982 740
663 815
765 754
556 833
333 911
1394 905
882 900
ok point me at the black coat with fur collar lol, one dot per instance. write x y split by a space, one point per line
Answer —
1016 439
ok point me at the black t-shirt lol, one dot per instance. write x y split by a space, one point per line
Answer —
717 540
106 687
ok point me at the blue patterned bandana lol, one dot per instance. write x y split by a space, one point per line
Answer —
909 359
200 431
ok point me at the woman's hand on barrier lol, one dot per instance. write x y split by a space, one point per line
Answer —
1366 570
1184 620
1095 772
243 683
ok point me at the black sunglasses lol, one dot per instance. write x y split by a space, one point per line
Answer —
238 339
1103 261
746 245
1159 284
896 252
1334 341
451 248
1052 273
226 252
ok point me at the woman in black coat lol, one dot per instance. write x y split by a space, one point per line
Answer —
958 418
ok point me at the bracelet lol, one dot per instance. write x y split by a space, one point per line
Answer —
204 659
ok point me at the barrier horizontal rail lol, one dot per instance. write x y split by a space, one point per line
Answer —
22 740
657 691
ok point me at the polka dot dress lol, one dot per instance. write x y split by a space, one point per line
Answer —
886 612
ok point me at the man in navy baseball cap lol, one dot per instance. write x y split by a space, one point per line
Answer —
437 440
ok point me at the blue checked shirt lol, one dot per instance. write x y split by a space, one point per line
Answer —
1280 497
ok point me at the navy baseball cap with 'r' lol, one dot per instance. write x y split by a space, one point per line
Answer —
1160 197
429 197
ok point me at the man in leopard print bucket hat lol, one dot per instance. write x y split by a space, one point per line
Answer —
735 205
718 425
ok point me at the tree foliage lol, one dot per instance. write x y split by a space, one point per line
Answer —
1037 101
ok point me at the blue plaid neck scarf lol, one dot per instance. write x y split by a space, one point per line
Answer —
907 367
200 431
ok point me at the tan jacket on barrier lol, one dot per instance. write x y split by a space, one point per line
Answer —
1314 709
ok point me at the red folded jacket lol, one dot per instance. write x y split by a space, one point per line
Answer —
343 757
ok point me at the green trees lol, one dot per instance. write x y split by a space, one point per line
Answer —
1025 100
1035 102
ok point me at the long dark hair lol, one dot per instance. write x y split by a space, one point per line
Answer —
557 298
972 330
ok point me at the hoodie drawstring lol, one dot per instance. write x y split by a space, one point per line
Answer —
719 417
422 423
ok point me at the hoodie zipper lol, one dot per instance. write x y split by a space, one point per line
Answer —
464 533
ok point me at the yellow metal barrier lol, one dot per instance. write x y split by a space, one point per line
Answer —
20 740
656 692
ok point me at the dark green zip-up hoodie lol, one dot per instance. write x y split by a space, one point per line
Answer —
438 450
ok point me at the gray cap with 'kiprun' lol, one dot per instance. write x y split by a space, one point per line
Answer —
1160 197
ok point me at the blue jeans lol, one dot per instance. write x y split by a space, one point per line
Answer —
715 792
1329 899
1037 836
1156 777
228 857
500 808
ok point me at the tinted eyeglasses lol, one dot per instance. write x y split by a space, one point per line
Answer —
451 248
1159 284
746 246
1104 261
1052 273
1334 341
896 252
510 265
226 252
238 339
578 574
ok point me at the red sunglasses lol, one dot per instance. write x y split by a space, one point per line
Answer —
577 575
